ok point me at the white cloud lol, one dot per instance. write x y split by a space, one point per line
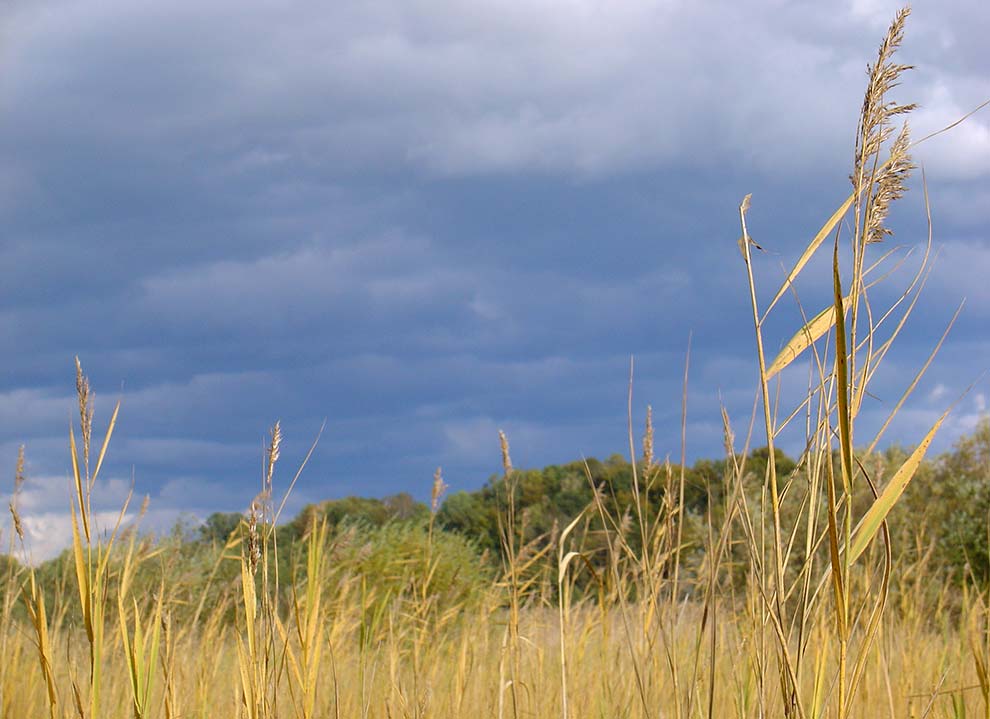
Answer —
878 13
963 153
43 505
48 533
939 391
41 494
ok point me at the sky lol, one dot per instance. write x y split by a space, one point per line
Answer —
425 221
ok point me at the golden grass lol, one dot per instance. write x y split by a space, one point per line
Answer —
785 610
455 673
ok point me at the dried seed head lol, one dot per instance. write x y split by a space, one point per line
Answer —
253 544
506 459
439 487
648 459
890 185
875 129
669 497
18 483
85 398
728 436
19 471
273 453
18 527
625 524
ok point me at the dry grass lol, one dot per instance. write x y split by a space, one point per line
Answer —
786 613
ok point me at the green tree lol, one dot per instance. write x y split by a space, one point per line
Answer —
218 526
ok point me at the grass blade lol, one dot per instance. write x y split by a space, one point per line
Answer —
805 337
891 493
810 250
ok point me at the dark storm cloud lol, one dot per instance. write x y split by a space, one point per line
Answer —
425 221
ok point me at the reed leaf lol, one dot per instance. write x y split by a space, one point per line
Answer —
881 507
814 330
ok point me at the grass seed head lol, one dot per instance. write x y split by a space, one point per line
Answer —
19 471
85 398
506 459
648 459
439 487
273 453
728 436
876 114
890 186
253 543
18 527
18 483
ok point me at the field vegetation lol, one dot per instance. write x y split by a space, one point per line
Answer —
847 581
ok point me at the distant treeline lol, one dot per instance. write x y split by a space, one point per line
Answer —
943 520
945 512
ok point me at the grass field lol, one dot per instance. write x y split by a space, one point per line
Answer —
788 600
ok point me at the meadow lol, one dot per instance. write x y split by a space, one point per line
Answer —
801 589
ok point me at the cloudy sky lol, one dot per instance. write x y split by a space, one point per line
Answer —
425 221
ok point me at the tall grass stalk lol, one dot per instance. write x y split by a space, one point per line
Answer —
91 555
